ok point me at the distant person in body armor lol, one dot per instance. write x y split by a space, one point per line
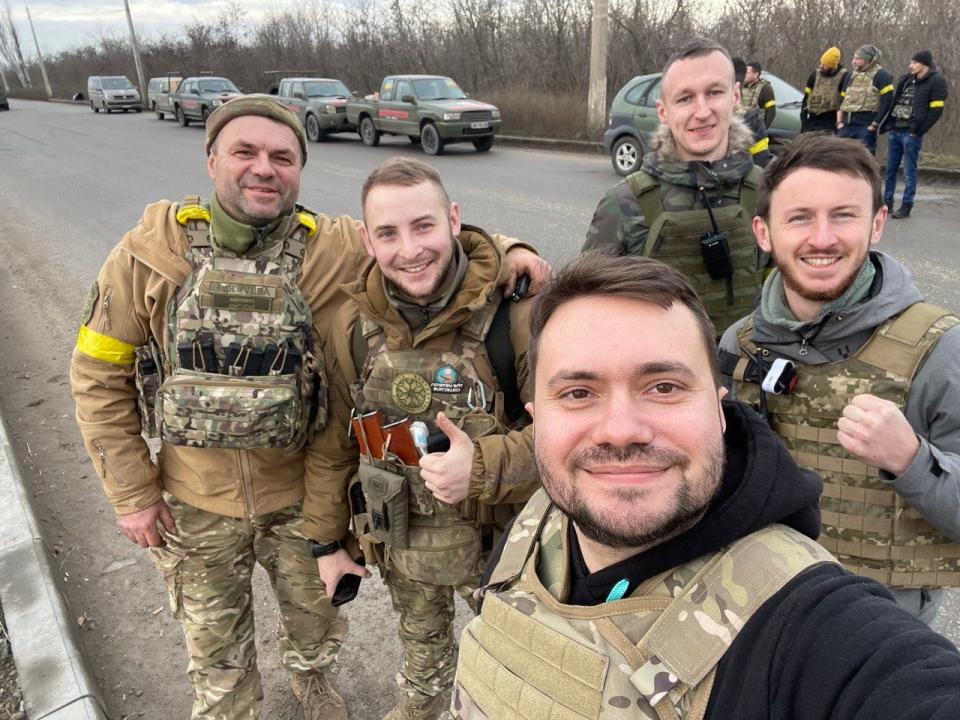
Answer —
753 119
757 92
858 375
668 569
821 94
917 105
692 201
213 315
427 338
867 98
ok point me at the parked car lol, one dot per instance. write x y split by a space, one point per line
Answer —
320 103
160 92
429 109
633 116
112 92
197 97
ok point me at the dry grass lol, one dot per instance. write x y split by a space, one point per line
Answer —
538 114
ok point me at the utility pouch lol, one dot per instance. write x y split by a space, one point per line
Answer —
715 251
210 410
441 555
386 492
148 377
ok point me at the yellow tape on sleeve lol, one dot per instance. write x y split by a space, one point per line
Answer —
309 222
770 104
104 347
885 90
807 91
936 103
759 146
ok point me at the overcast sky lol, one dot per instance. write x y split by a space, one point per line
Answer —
63 24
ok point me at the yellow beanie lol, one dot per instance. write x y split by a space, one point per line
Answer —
831 59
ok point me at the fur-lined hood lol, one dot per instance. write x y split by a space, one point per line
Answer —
663 146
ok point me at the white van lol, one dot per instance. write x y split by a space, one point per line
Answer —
112 92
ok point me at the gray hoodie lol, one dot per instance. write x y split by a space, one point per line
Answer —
932 482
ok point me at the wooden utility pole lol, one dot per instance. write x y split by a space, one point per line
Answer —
597 98
43 68
134 43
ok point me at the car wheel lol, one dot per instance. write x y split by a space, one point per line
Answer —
204 114
430 140
314 133
368 133
103 106
626 155
94 107
159 115
181 118
483 144
138 109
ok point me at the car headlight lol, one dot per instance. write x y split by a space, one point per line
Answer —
451 116
217 103
495 114
331 109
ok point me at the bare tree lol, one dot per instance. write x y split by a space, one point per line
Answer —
10 46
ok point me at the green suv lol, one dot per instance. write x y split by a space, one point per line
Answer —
633 116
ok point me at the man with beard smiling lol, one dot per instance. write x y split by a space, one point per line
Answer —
669 568
692 200
205 326
426 339
855 372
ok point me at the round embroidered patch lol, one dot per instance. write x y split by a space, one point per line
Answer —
90 303
411 393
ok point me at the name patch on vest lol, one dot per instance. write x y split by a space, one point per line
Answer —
238 293
446 380
411 393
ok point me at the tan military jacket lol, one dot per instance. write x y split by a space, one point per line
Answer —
503 466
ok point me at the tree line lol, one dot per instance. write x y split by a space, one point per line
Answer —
531 57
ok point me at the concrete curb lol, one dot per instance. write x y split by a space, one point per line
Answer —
53 676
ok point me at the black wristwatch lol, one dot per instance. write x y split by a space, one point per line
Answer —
318 550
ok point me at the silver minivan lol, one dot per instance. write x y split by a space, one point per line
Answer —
112 92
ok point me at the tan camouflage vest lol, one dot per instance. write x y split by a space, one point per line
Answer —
825 95
868 526
750 95
674 238
240 371
860 95
649 656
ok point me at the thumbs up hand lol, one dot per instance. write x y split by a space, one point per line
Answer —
447 474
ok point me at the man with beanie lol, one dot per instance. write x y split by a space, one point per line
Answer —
205 328
867 95
917 105
757 92
821 96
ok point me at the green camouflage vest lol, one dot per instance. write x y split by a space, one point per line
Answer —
240 371
674 238
750 96
861 95
649 656
825 95
868 526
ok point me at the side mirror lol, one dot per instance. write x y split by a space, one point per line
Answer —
195 91
409 99
298 94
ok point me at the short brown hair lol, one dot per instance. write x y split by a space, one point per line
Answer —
698 47
405 172
820 151
632 276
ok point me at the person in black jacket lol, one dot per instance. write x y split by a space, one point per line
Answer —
917 105
651 481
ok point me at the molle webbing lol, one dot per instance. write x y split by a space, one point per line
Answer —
870 528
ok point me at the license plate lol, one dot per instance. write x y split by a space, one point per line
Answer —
479 125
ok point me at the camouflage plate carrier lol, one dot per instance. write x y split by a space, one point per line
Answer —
868 526
674 238
238 363
860 95
750 96
825 94
652 655
426 539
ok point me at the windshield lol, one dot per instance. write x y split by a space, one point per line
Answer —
116 83
438 89
783 91
217 86
326 88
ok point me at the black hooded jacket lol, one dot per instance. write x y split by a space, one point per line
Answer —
829 645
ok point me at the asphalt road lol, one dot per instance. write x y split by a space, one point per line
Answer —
71 183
